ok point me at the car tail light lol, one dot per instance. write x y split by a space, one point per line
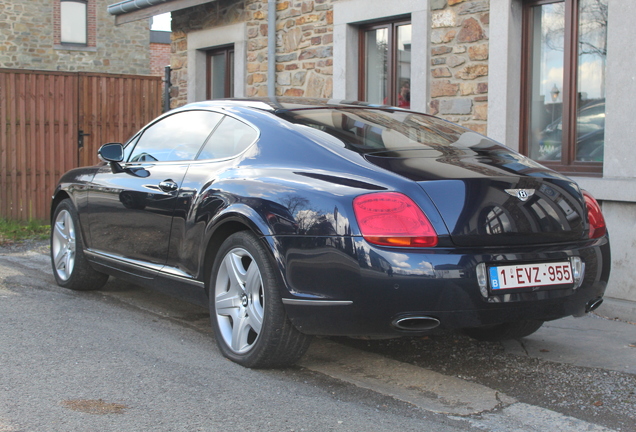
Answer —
594 216
393 219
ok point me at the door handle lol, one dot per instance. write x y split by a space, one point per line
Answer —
168 186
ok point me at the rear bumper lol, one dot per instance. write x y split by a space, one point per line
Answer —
345 286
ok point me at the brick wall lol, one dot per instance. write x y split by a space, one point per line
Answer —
30 39
459 61
159 58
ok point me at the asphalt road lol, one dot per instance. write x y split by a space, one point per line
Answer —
130 359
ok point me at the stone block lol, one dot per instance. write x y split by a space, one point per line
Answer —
478 52
298 78
442 72
441 50
473 7
456 106
481 111
295 92
471 31
443 88
467 88
454 61
315 85
472 71
438 4
284 78
442 36
446 18
318 52
286 57
433 107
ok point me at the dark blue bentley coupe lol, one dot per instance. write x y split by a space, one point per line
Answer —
298 217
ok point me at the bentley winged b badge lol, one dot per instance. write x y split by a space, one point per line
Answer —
522 194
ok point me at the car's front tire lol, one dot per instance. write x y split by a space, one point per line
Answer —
505 331
70 267
246 309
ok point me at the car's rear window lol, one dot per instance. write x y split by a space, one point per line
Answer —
374 130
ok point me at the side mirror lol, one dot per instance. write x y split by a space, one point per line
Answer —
111 152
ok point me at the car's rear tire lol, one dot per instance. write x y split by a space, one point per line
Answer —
505 331
70 267
246 309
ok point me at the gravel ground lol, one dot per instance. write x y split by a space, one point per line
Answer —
599 396
595 395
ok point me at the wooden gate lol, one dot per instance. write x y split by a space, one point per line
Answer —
51 122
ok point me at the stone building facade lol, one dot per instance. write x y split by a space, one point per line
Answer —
30 39
466 60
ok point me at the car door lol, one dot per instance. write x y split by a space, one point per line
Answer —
131 209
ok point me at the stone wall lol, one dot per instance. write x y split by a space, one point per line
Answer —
29 39
459 61
304 45
184 21
304 49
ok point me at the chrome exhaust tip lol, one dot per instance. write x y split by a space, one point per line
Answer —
416 323
593 304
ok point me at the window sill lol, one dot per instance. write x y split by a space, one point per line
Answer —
69 47
609 189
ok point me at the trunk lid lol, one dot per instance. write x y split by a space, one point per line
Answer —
488 195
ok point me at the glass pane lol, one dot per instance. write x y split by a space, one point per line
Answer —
73 22
403 82
229 139
176 137
217 76
376 65
546 82
590 124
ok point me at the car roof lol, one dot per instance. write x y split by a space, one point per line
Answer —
283 104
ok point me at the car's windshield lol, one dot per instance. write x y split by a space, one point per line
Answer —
375 130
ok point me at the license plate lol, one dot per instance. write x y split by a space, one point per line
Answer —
530 275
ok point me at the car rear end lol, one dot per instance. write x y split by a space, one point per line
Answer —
470 234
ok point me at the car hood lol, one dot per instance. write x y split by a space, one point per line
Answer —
489 195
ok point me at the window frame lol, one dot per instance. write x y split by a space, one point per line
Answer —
568 164
392 26
86 32
228 85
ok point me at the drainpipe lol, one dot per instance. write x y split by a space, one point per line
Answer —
271 48
166 89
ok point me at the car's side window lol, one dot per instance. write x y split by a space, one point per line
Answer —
175 138
229 139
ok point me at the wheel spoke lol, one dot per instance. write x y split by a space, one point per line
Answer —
253 287
60 231
60 258
228 303
235 270
255 318
240 332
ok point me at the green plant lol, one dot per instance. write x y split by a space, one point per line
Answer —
14 231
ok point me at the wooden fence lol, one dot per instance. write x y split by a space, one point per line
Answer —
51 122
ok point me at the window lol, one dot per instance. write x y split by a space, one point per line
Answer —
229 139
385 64
563 83
73 22
220 73
175 138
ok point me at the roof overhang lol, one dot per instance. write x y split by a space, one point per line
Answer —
134 10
